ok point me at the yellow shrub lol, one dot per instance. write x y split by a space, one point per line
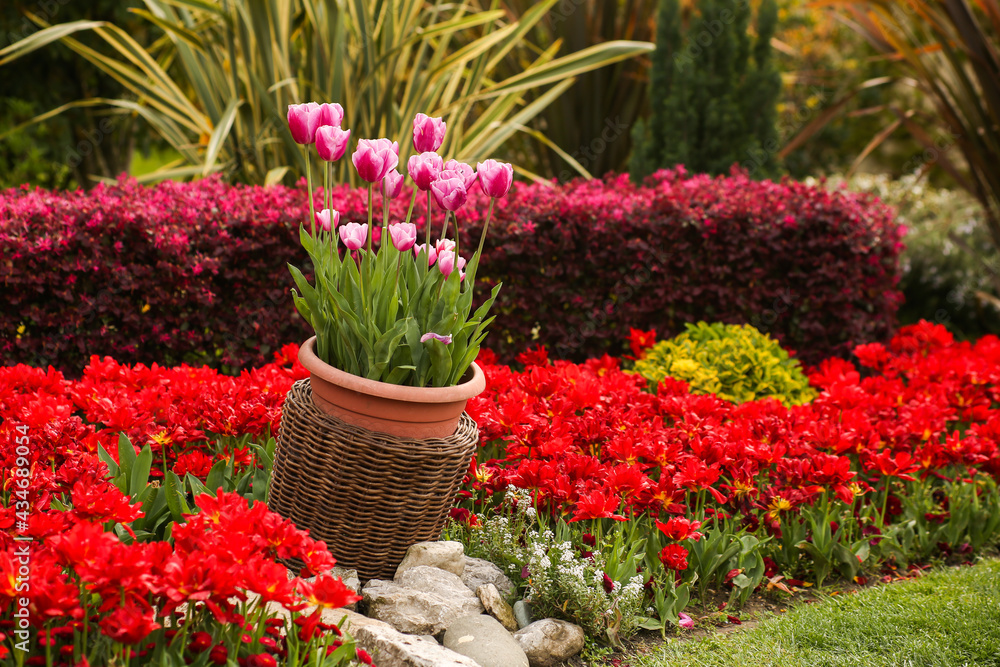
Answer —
737 363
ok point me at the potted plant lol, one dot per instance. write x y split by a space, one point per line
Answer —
373 449
396 337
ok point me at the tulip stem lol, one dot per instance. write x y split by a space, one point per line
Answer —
413 200
385 209
428 225
371 204
309 191
455 216
486 226
328 191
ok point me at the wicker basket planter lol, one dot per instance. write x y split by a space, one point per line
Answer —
367 494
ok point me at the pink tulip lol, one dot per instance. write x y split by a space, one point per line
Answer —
468 176
328 219
375 158
404 235
428 133
444 244
331 142
305 119
424 169
495 178
329 114
685 621
447 262
433 336
353 235
298 122
431 258
391 185
449 193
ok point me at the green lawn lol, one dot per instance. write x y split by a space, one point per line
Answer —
948 618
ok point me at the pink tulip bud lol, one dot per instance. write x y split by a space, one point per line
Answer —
375 158
468 176
327 219
404 235
431 258
331 142
353 235
303 132
433 336
444 244
447 262
428 133
449 193
329 114
685 620
391 185
495 178
424 169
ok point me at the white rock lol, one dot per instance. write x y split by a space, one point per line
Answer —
448 556
391 648
424 601
549 641
479 572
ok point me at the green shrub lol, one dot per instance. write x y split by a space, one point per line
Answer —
713 92
734 362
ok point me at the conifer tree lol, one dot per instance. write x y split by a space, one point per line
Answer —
714 91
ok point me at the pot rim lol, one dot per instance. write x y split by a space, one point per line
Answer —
460 392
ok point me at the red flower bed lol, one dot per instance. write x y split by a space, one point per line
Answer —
570 431
198 272
896 461
590 442
65 574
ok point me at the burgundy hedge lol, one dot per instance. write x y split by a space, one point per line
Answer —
197 272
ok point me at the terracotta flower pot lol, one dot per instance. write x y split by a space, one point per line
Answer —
406 412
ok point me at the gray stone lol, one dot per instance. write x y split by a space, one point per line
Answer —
549 642
483 639
391 648
425 601
497 607
349 577
479 572
447 556
522 613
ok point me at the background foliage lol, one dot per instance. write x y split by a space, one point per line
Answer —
713 91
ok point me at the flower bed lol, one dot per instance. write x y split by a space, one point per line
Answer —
881 471
198 272
80 586
894 463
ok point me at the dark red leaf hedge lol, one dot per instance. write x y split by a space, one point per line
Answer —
197 272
